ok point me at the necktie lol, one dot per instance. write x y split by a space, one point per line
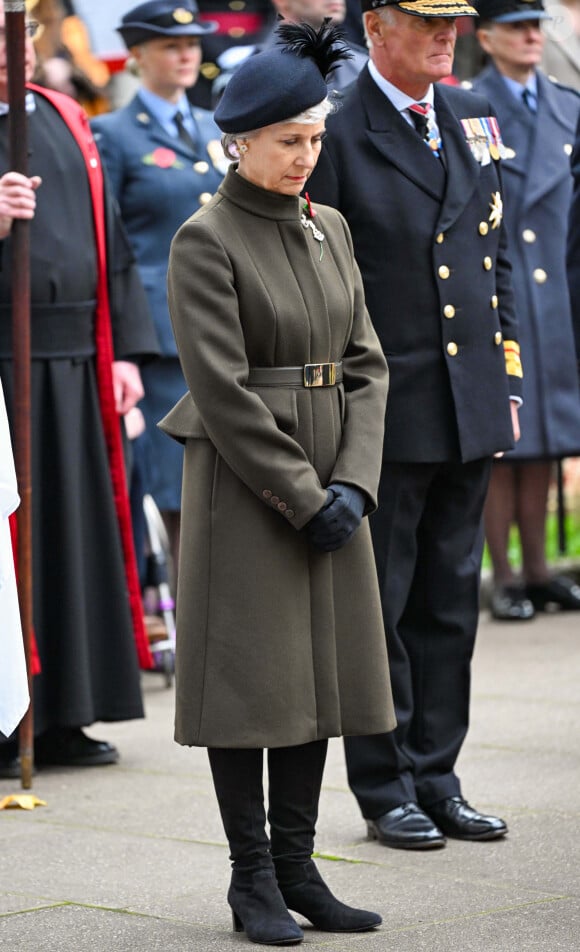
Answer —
529 99
182 132
420 113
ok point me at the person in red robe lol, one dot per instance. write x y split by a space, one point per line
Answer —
90 330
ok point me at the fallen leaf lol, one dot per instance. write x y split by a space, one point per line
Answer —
21 801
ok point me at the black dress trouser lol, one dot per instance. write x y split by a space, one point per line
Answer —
428 540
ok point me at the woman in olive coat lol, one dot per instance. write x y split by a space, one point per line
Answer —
280 643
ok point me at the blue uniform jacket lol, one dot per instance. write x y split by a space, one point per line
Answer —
538 188
159 182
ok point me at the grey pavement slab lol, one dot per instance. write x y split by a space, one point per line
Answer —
132 858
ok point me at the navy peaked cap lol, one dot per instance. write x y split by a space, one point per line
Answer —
163 18
511 11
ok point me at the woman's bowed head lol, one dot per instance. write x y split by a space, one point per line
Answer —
274 108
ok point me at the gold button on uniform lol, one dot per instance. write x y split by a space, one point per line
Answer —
452 348
440 238
204 198
487 263
483 228
201 167
540 276
449 310
498 337
494 301
529 236
443 272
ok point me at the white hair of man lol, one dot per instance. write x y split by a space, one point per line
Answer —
386 15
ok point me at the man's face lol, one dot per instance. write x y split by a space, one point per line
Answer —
311 11
513 46
29 59
411 52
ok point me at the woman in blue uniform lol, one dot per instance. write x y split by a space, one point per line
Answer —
164 161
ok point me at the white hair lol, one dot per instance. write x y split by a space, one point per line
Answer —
385 13
230 140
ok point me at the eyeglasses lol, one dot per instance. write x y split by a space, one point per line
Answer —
30 29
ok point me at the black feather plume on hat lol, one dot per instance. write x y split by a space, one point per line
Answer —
325 46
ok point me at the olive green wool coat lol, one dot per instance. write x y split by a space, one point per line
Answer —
277 644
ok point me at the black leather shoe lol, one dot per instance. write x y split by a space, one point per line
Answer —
406 827
69 747
510 603
460 821
560 590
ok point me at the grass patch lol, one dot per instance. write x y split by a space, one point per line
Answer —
553 554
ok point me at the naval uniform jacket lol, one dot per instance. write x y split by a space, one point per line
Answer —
435 271
272 647
538 189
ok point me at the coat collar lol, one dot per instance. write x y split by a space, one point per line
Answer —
399 143
538 142
259 201
144 119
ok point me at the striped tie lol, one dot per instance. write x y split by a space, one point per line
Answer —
424 122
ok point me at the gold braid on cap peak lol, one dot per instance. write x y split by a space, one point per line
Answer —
438 8
325 46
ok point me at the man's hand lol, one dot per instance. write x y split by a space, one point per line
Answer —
127 385
17 199
514 408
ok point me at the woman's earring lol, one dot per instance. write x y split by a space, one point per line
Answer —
242 149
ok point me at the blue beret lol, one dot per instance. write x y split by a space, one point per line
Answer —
269 87
280 83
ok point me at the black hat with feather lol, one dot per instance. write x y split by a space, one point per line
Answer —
284 81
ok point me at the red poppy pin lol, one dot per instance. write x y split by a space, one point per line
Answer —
163 159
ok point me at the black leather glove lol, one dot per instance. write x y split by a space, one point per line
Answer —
336 522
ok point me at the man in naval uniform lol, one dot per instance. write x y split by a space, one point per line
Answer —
414 169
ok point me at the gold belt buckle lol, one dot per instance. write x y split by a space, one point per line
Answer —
319 375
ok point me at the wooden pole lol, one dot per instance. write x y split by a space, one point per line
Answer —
15 14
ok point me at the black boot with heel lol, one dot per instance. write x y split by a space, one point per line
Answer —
295 775
258 908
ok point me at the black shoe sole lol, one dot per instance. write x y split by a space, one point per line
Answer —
482 837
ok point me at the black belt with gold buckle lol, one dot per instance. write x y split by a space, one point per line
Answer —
309 375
